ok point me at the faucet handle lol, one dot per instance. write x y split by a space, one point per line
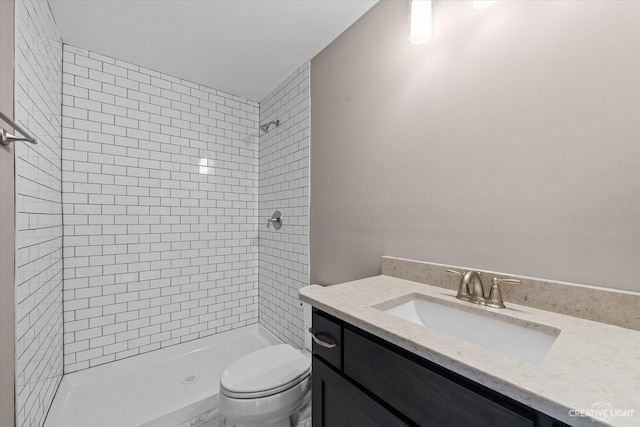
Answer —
510 281
454 272
495 294
457 273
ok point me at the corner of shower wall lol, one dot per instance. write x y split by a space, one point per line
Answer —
284 186
39 277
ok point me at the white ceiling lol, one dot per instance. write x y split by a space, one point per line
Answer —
243 47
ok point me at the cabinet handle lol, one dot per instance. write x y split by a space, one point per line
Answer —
322 343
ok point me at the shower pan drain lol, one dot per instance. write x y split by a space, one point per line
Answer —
190 379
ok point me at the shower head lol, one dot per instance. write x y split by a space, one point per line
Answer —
265 127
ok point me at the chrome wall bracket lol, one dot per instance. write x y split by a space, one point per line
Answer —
6 138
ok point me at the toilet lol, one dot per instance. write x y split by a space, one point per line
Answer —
268 387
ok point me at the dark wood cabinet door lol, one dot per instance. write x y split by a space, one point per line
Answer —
422 395
338 403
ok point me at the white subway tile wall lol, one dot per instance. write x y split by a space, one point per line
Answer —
160 210
38 85
284 186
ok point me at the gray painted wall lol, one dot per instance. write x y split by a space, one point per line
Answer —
508 142
7 224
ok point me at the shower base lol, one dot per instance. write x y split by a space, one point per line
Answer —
172 387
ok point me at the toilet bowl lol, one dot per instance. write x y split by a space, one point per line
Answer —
265 388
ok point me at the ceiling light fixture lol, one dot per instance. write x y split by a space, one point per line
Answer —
421 21
481 4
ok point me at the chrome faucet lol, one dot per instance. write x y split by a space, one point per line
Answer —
471 289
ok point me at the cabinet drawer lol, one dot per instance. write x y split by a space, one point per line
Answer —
328 339
424 396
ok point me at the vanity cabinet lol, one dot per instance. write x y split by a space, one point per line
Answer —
341 403
362 380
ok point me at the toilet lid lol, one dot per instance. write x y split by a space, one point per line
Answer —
265 369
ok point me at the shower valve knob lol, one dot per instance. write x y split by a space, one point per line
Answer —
275 220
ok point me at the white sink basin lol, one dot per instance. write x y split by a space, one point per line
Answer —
513 337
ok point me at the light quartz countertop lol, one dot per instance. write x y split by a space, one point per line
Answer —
589 364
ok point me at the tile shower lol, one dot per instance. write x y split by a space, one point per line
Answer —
38 79
284 185
161 188
160 198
